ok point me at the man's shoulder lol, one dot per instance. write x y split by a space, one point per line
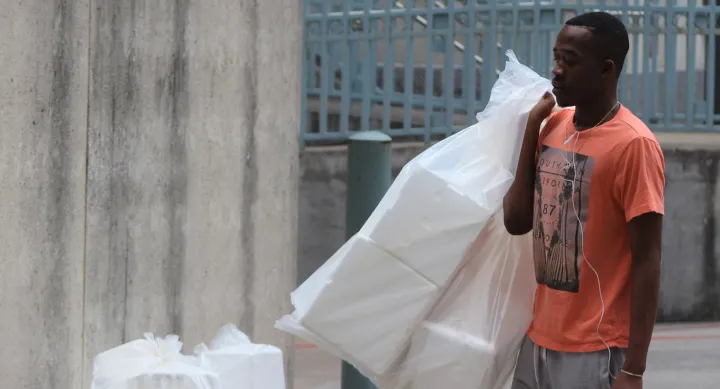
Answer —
559 116
634 128
555 120
632 137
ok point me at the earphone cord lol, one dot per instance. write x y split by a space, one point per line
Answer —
604 117
567 163
582 237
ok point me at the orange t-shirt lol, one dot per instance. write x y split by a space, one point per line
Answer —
620 175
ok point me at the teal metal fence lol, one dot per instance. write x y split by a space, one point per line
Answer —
422 69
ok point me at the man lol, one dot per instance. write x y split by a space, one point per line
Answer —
590 188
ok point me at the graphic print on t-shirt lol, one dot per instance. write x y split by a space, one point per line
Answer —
557 246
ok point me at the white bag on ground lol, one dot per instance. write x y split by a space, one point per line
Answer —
150 363
368 304
241 364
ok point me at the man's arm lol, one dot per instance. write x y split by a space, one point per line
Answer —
639 189
645 245
518 202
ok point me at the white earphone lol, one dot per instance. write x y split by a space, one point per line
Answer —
568 164
576 135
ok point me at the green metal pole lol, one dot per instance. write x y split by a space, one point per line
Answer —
369 177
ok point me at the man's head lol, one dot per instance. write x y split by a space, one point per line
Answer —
589 55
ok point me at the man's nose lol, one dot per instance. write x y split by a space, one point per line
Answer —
557 71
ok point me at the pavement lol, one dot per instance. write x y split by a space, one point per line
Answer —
683 356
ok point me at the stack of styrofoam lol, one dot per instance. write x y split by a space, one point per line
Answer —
150 363
471 337
231 362
241 364
368 304
383 281
365 291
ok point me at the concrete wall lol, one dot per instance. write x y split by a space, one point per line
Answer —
148 154
43 130
691 239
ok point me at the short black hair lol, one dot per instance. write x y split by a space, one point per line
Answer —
609 31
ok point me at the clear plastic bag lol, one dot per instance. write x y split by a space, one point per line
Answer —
241 364
150 363
471 337
371 303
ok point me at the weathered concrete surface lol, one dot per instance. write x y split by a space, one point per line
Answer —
148 155
43 101
691 238
192 169
691 248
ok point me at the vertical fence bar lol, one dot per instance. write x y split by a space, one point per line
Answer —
506 29
535 37
324 68
557 13
635 91
488 47
514 32
368 84
388 66
409 88
691 94
470 66
429 76
492 58
505 36
345 88
356 63
714 97
303 90
708 65
647 96
670 59
623 75
557 20
654 85
375 37
449 68
524 39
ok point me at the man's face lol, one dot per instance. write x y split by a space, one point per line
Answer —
578 74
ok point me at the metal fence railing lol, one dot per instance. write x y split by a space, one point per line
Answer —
422 69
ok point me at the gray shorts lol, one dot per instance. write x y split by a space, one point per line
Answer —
540 368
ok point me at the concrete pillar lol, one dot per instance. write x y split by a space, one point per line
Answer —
148 155
43 106
192 168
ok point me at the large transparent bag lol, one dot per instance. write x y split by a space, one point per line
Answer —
368 304
471 337
150 363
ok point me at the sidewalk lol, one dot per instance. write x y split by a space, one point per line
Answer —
315 369
681 356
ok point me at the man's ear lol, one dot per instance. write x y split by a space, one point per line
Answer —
609 68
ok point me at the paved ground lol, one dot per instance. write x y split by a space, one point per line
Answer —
681 356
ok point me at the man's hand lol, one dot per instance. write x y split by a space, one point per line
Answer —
518 202
624 381
543 108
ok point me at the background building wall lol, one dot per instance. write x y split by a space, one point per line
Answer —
148 151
